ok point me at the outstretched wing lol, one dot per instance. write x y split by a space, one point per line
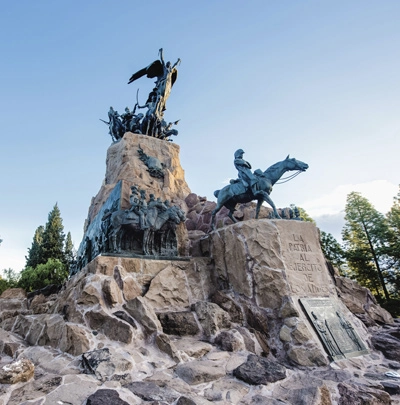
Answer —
153 70
174 76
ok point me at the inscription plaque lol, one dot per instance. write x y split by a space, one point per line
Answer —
337 334
305 266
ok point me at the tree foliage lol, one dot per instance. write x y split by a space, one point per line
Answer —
9 279
303 214
365 237
332 250
52 246
393 218
50 255
69 250
35 251
52 272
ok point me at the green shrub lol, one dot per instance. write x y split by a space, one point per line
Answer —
52 272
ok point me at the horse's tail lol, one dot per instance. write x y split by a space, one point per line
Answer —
216 192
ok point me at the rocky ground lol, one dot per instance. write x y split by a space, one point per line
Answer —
125 332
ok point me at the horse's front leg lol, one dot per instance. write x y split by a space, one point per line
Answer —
259 202
267 199
230 215
146 241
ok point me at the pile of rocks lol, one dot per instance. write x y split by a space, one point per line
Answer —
134 331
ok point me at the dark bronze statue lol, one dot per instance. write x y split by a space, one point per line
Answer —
151 225
151 123
166 74
255 185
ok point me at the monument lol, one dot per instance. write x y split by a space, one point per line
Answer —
151 123
170 302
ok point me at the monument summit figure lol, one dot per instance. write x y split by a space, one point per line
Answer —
151 123
166 77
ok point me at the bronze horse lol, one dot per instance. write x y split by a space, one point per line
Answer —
237 192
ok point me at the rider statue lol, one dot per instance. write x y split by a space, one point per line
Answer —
139 206
245 174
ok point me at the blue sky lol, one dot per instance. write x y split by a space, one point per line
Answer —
318 80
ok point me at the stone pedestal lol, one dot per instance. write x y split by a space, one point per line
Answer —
272 264
124 163
152 165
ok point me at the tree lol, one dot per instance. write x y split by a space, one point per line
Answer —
35 251
8 280
49 257
69 250
332 250
393 218
52 272
365 236
52 246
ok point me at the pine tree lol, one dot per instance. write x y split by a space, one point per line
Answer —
332 250
69 250
52 246
393 218
365 236
34 253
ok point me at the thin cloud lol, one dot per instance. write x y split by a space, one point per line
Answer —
379 192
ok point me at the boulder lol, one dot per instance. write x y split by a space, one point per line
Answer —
212 317
143 312
193 348
258 370
179 323
108 364
149 391
105 397
111 292
110 326
164 343
74 340
13 293
18 371
351 393
168 291
200 371
307 355
230 341
35 389
301 388
388 342
227 303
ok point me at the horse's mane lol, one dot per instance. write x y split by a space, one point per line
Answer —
272 169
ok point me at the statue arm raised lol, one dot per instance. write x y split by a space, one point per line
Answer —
161 53
178 62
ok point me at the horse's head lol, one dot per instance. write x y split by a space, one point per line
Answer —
173 215
294 164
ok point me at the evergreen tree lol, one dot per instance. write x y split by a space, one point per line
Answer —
393 218
365 236
69 250
52 246
332 250
35 251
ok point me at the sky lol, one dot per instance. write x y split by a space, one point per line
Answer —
318 80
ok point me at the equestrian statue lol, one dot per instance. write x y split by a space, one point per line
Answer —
255 185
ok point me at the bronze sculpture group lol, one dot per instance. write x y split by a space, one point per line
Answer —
152 123
147 227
